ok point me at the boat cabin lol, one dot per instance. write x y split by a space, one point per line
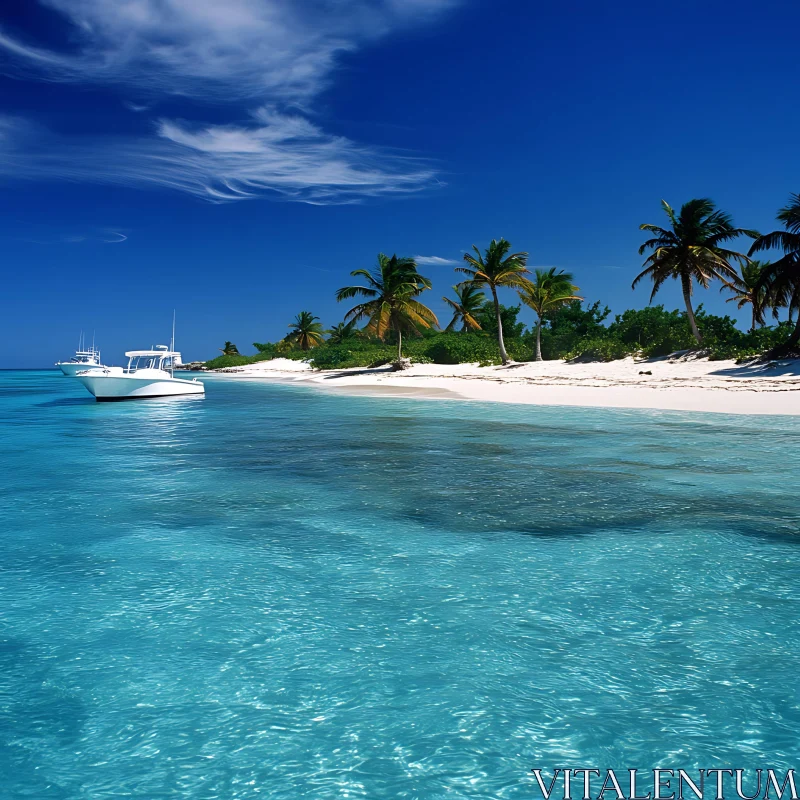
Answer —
86 357
161 357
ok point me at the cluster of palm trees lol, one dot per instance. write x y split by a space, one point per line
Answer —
496 267
392 289
693 249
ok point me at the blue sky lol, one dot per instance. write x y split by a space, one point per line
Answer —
236 160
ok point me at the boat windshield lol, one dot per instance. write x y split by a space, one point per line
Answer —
158 361
145 362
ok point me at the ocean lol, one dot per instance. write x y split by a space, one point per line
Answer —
276 592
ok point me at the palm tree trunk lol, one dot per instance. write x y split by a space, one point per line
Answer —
687 297
503 355
539 339
399 344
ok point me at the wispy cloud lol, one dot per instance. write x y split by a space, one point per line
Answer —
235 48
279 155
103 235
271 54
435 261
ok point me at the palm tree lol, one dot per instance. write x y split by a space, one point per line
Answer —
745 291
493 269
691 250
469 303
343 331
780 281
229 349
550 290
306 331
391 305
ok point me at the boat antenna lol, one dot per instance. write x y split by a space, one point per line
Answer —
172 346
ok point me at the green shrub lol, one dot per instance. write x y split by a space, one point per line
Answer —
568 325
352 354
751 344
653 330
605 348
460 348
436 348
487 319
221 362
718 331
281 349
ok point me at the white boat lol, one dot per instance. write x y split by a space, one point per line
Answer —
150 373
85 358
82 360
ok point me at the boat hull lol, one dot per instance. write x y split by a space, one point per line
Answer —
117 387
72 368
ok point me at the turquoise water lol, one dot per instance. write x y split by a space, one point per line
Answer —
279 593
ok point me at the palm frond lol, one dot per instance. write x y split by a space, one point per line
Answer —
692 250
778 284
777 240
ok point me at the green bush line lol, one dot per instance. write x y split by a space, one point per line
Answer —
577 332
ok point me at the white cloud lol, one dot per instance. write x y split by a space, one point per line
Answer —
435 261
228 49
271 53
44 234
279 155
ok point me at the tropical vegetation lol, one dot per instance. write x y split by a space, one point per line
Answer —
343 331
747 290
779 282
390 320
468 304
493 269
229 349
691 251
547 292
391 304
306 331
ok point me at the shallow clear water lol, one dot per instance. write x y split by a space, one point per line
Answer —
280 593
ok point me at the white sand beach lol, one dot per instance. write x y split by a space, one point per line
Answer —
670 384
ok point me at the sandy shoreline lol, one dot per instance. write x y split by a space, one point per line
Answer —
679 385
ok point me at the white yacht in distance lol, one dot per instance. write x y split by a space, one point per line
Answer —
150 373
85 358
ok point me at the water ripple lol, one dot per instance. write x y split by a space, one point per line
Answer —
275 593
